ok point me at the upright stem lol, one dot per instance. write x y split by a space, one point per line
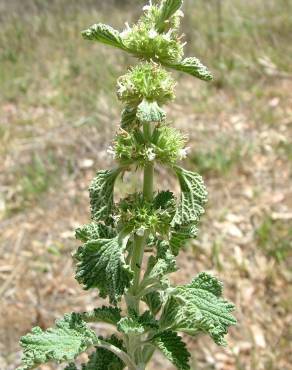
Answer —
132 298
118 352
149 169
139 241
148 182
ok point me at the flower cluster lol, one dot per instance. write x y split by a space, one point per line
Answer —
170 144
167 147
154 18
153 37
140 216
146 81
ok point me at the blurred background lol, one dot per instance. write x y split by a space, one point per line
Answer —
58 115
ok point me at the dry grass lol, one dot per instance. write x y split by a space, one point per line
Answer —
59 113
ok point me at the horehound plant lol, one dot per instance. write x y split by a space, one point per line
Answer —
112 257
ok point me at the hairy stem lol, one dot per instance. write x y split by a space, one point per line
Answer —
139 241
119 353
133 298
149 169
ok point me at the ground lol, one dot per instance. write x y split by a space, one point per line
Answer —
59 114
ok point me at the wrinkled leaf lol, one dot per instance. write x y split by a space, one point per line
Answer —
157 268
193 197
105 34
64 342
173 348
109 315
180 236
101 264
101 194
199 308
94 231
129 325
193 67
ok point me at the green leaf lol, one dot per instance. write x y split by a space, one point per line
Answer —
148 112
164 200
128 118
193 67
193 197
199 308
101 264
167 10
153 301
65 342
173 348
94 231
157 269
103 359
180 235
101 194
109 315
208 282
148 320
129 325
105 34
136 325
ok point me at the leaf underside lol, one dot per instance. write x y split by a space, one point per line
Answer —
148 112
193 67
128 325
64 342
105 34
199 308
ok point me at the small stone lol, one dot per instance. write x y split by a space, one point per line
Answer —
86 163
234 231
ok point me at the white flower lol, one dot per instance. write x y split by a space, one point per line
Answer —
150 154
180 13
121 88
141 231
126 32
152 34
167 36
111 152
183 153
147 7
